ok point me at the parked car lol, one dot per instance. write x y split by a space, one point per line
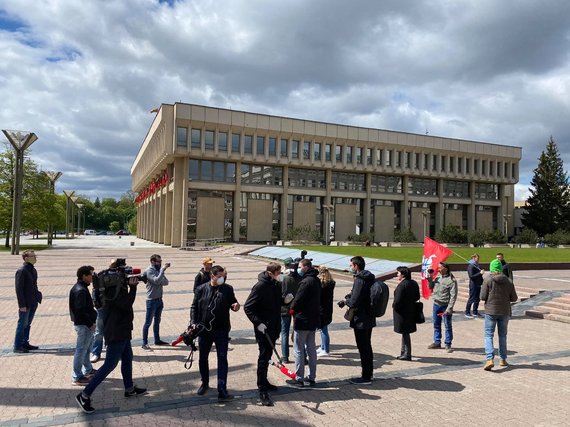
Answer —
122 233
89 232
102 233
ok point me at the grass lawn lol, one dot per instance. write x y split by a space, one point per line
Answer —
24 247
414 255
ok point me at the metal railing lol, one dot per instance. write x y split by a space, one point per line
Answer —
204 244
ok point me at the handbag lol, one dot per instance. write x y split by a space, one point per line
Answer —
419 314
349 315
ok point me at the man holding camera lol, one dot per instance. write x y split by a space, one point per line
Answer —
210 315
361 317
155 281
119 295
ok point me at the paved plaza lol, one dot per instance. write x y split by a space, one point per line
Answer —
435 389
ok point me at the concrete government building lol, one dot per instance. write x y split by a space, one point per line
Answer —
205 172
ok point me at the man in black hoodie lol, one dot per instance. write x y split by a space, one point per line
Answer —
83 316
363 319
306 309
263 309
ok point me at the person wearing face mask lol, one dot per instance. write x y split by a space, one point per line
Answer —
28 297
210 313
263 309
288 286
155 281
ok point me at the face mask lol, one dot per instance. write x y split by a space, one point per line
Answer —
300 272
157 266
280 277
220 280
31 260
352 270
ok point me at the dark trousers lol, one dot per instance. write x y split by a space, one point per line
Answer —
474 298
363 339
119 350
221 338
406 345
265 352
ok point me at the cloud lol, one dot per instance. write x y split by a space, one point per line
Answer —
83 75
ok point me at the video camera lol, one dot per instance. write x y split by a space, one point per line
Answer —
108 283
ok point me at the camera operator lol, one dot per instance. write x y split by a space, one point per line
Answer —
119 292
210 314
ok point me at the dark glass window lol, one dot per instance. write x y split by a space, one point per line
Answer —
386 184
306 150
209 140
294 149
369 156
338 153
222 141
248 144
349 154
272 147
348 181
182 137
284 148
455 189
260 150
422 186
235 142
328 152
196 139
317 153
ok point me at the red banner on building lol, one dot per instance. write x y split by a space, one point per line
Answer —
434 253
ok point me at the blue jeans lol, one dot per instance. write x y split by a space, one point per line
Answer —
325 339
220 337
285 328
98 336
153 312
474 298
23 327
304 346
81 363
502 322
119 350
437 325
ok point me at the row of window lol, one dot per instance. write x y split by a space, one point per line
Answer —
296 149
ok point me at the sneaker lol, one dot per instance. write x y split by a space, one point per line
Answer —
322 353
91 374
448 349
264 399
469 316
360 381
136 391
489 365
94 358
503 362
83 381
146 347
202 389
160 342
296 383
404 357
433 346
312 383
84 404
284 360
21 350
478 315
224 396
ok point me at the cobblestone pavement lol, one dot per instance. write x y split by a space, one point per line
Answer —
437 388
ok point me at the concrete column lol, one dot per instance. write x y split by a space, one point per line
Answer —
367 204
404 219
283 204
179 204
168 218
471 208
162 211
236 203
156 217
439 211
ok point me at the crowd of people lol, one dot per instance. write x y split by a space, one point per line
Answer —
294 294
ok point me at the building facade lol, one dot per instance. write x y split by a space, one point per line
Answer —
206 172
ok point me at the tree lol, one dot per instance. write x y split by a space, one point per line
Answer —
548 205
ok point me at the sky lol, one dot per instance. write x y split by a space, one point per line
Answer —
83 75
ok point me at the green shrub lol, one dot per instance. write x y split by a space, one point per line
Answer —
559 237
363 237
451 234
304 232
404 236
477 237
527 236
495 237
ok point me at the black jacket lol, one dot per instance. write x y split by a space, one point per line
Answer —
211 306
202 277
327 300
360 300
81 307
474 273
306 304
288 286
118 321
263 305
405 296
27 286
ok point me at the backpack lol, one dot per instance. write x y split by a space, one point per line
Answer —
379 296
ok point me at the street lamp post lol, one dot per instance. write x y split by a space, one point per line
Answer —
68 194
327 209
506 224
21 141
79 209
53 177
426 215
74 203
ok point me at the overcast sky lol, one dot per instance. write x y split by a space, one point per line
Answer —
84 74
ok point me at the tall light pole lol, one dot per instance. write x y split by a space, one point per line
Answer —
68 194
74 203
506 224
327 209
21 141
53 177
426 214
79 209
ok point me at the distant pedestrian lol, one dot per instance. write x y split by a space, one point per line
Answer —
289 285
28 297
444 296
326 309
203 275
475 273
498 292
405 296
83 316
505 266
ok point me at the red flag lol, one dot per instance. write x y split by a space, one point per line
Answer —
434 253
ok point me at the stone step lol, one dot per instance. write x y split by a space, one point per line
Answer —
557 305
535 313
550 310
557 318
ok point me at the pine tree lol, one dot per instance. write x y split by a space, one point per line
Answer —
548 206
